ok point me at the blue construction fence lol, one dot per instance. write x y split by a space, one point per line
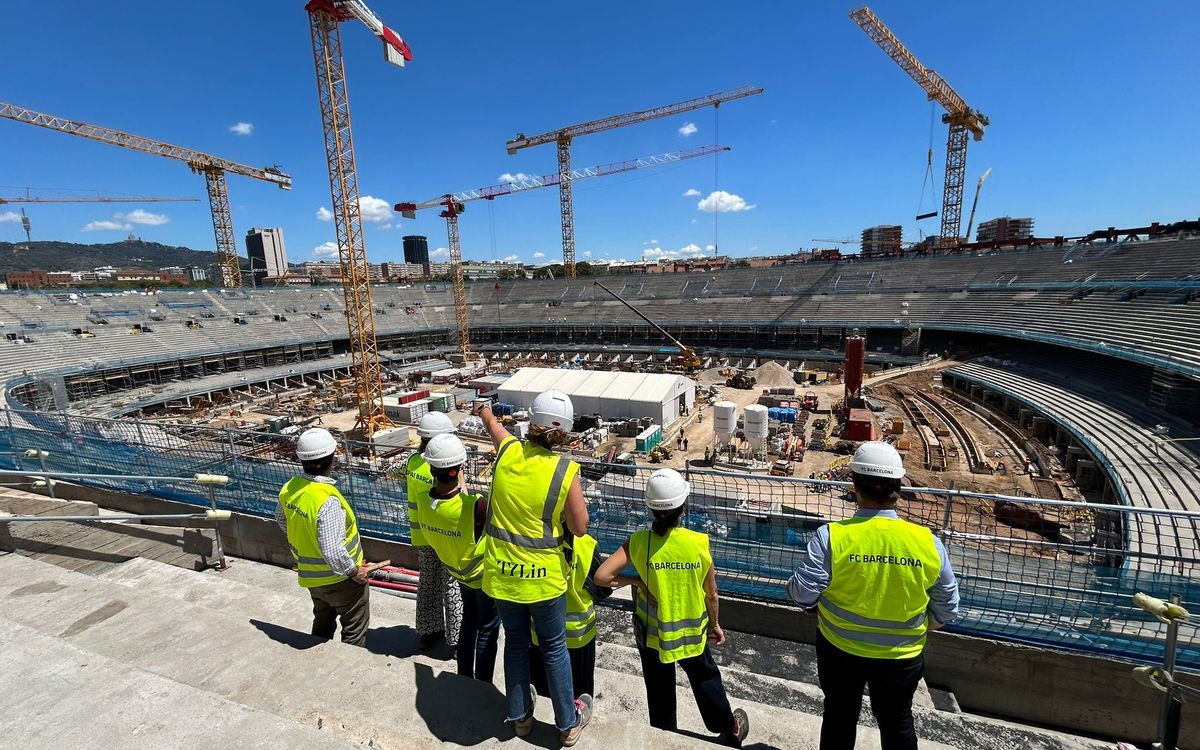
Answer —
1048 573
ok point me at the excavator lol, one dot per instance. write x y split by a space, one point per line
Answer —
688 359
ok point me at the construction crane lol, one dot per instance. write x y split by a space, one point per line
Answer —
960 118
564 136
688 358
324 17
455 203
975 203
837 242
212 167
27 198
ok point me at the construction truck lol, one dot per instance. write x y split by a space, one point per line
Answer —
688 359
741 381
659 454
810 402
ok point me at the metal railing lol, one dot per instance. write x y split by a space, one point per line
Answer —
1037 571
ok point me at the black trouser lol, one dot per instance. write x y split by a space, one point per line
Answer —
892 682
478 635
705 677
583 669
347 600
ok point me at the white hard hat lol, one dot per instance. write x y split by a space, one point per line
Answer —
434 423
666 489
876 458
315 443
445 451
553 409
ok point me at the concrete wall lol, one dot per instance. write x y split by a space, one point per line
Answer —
1081 693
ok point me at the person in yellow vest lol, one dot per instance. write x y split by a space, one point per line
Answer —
323 534
877 584
676 610
452 521
582 593
439 603
536 499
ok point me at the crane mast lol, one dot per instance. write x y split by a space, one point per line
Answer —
212 167
688 357
961 119
562 137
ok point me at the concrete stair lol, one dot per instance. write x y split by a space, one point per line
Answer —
240 639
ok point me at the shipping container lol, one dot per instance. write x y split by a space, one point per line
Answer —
861 425
649 438
412 411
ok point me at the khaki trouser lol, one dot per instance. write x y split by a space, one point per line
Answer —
346 600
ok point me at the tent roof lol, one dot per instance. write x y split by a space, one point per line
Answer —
630 386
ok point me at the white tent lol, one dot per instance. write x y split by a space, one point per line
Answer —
613 395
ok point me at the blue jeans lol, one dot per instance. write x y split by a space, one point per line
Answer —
549 619
478 635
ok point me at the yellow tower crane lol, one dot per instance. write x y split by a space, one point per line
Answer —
212 167
563 137
324 17
959 116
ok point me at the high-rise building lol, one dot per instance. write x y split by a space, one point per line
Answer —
882 241
1004 229
416 249
267 254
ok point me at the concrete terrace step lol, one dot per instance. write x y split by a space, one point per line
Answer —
353 693
789 685
51 693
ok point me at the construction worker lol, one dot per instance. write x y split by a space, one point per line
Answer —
676 610
439 603
323 534
877 584
452 522
536 498
582 593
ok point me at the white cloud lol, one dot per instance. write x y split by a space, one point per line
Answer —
655 253
325 251
691 192
536 256
386 226
587 253
511 177
324 214
242 128
107 226
649 242
710 248
441 252
719 201
145 218
374 209
511 259
689 128
692 249
10 216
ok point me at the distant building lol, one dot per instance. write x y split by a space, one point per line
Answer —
882 241
196 273
267 253
1004 229
289 279
416 249
137 274
27 279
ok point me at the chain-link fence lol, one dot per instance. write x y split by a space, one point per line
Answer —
1047 572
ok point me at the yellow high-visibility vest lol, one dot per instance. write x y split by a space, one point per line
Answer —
881 571
418 480
302 500
581 612
523 561
449 528
674 621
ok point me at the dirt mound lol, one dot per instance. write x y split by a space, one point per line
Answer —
711 376
773 375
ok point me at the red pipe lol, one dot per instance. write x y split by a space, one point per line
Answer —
397 586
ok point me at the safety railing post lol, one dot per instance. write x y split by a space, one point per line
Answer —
948 513
212 503
235 469
1170 715
41 454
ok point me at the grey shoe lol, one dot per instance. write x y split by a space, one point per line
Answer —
583 707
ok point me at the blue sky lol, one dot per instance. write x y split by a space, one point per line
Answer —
1092 122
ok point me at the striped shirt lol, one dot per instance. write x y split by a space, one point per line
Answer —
331 531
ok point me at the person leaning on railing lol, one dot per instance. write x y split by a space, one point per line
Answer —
536 498
323 535
877 584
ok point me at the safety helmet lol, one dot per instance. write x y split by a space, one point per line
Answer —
876 458
315 443
434 423
666 490
445 451
553 409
